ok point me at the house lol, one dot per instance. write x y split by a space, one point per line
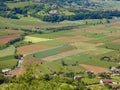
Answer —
115 69
6 70
77 77
105 81
115 74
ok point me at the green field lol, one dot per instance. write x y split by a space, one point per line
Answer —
52 51
93 35
84 58
22 23
66 33
7 51
51 67
53 43
19 4
7 62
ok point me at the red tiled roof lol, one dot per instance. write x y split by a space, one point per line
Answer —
107 81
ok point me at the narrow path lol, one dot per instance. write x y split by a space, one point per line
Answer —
18 70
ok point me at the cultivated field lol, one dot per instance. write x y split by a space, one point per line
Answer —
31 49
53 51
7 62
7 51
6 39
35 39
85 44
95 69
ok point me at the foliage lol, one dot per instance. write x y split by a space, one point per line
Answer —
49 12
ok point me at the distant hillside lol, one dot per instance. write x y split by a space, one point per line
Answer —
59 10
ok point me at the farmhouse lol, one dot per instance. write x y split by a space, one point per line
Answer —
105 81
115 69
77 77
5 70
115 74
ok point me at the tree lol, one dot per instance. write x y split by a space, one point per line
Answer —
47 77
18 56
1 78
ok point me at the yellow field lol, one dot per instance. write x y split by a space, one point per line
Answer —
35 39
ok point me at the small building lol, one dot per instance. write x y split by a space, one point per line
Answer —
6 70
115 74
77 77
105 81
114 69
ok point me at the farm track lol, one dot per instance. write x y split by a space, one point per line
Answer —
61 55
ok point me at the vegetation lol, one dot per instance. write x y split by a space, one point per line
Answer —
53 51
7 62
7 51
59 44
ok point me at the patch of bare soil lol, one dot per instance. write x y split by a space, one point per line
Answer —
31 48
117 41
95 69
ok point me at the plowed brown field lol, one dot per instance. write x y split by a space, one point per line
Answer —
118 41
31 48
95 69
6 39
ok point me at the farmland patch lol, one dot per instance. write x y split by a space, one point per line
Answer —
53 43
7 62
7 51
116 24
84 45
117 41
61 55
6 39
53 51
28 49
115 33
98 51
92 35
95 69
35 39
74 38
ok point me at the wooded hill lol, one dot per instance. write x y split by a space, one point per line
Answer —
58 10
